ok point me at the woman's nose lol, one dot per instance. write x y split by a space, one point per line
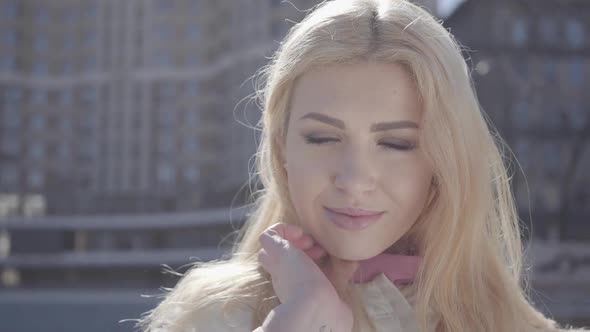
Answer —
355 174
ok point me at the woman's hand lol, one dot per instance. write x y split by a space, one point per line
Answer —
293 260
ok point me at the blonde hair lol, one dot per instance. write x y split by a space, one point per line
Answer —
468 234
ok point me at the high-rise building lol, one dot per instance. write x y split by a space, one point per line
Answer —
139 105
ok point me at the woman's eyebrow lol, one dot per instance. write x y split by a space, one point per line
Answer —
381 126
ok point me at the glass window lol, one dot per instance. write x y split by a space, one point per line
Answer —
577 115
166 173
13 97
65 124
193 32
37 151
90 64
9 38
89 95
166 144
9 175
35 178
576 72
39 97
7 63
192 89
40 43
37 121
191 119
12 118
90 39
523 153
167 90
520 114
548 30
10 145
89 121
40 69
519 32
574 33
66 98
91 10
550 70
41 15
552 157
191 145
69 41
8 9
191 174
64 151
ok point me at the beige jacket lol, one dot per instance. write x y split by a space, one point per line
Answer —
390 308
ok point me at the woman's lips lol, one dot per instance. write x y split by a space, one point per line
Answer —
352 222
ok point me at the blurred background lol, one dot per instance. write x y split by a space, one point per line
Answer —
125 143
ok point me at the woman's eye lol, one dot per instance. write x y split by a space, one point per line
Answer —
319 140
401 146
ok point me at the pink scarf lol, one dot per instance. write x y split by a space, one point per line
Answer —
399 269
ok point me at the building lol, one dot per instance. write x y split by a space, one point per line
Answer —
531 67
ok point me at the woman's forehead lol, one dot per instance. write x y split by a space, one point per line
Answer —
353 89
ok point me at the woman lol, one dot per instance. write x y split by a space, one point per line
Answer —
386 202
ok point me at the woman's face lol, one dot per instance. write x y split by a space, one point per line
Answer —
352 143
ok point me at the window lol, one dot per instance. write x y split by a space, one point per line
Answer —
41 15
191 174
191 145
552 157
65 124
166 173
193 32
37 121
40 68
9 38
548 30
10 145
39 97
166 144
192 89
36 151
576 72
7 63
9 9
89 121
9 174
89 95
574 33
550 70
90 39
65 98
91 11
12 97
520 114
40 43
191 119
577 116
35 178
64 151
523 153
519 31
12 119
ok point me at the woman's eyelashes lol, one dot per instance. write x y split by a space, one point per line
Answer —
401 145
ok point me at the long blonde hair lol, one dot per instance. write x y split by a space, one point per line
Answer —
468 234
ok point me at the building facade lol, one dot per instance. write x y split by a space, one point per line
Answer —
530 61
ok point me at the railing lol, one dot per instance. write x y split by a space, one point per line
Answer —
92 241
